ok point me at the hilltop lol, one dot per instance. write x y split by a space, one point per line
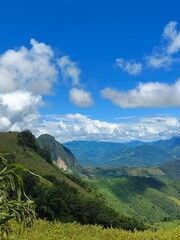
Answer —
60 154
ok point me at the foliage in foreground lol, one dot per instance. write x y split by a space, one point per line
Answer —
73 231
14 204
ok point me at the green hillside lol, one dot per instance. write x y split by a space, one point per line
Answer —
145 198
119 171
28 158
59 196
171 170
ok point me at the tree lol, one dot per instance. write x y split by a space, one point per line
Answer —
14 203
27 139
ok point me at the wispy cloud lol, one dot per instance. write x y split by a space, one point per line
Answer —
129 66
69 70
163 55
172 35
151 94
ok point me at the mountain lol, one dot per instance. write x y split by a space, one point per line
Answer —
171 170
149 194
146 194
170 143
148 199
122 171
171 146
29 159
60 154
136 153
93 153
58 195
134 143
141 156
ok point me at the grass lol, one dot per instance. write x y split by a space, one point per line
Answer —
29 159
73 231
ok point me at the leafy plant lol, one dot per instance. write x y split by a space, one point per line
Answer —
14 203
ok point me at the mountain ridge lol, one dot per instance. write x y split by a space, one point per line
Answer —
139 154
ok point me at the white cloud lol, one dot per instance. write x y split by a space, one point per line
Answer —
172 36
163 56
31 69
129 66
80 127
80 97
18 109
26 75
160 61
146 95
69 70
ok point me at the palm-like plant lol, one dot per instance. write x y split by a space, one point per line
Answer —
14 203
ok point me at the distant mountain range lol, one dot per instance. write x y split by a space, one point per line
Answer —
148 194
137 154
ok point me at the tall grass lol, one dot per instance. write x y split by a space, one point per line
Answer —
73 231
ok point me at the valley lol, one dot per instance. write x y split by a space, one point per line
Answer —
122 196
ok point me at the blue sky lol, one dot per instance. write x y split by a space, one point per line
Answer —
91 70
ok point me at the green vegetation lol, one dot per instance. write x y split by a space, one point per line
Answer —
116 172
14 203
27 139
147 199
58 196
73 231
29 159
171 170
124 199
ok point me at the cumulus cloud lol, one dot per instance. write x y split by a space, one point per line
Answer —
151 94
163 55
129 66
18 109
80 127
26 75
69 70
31 69
80 97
